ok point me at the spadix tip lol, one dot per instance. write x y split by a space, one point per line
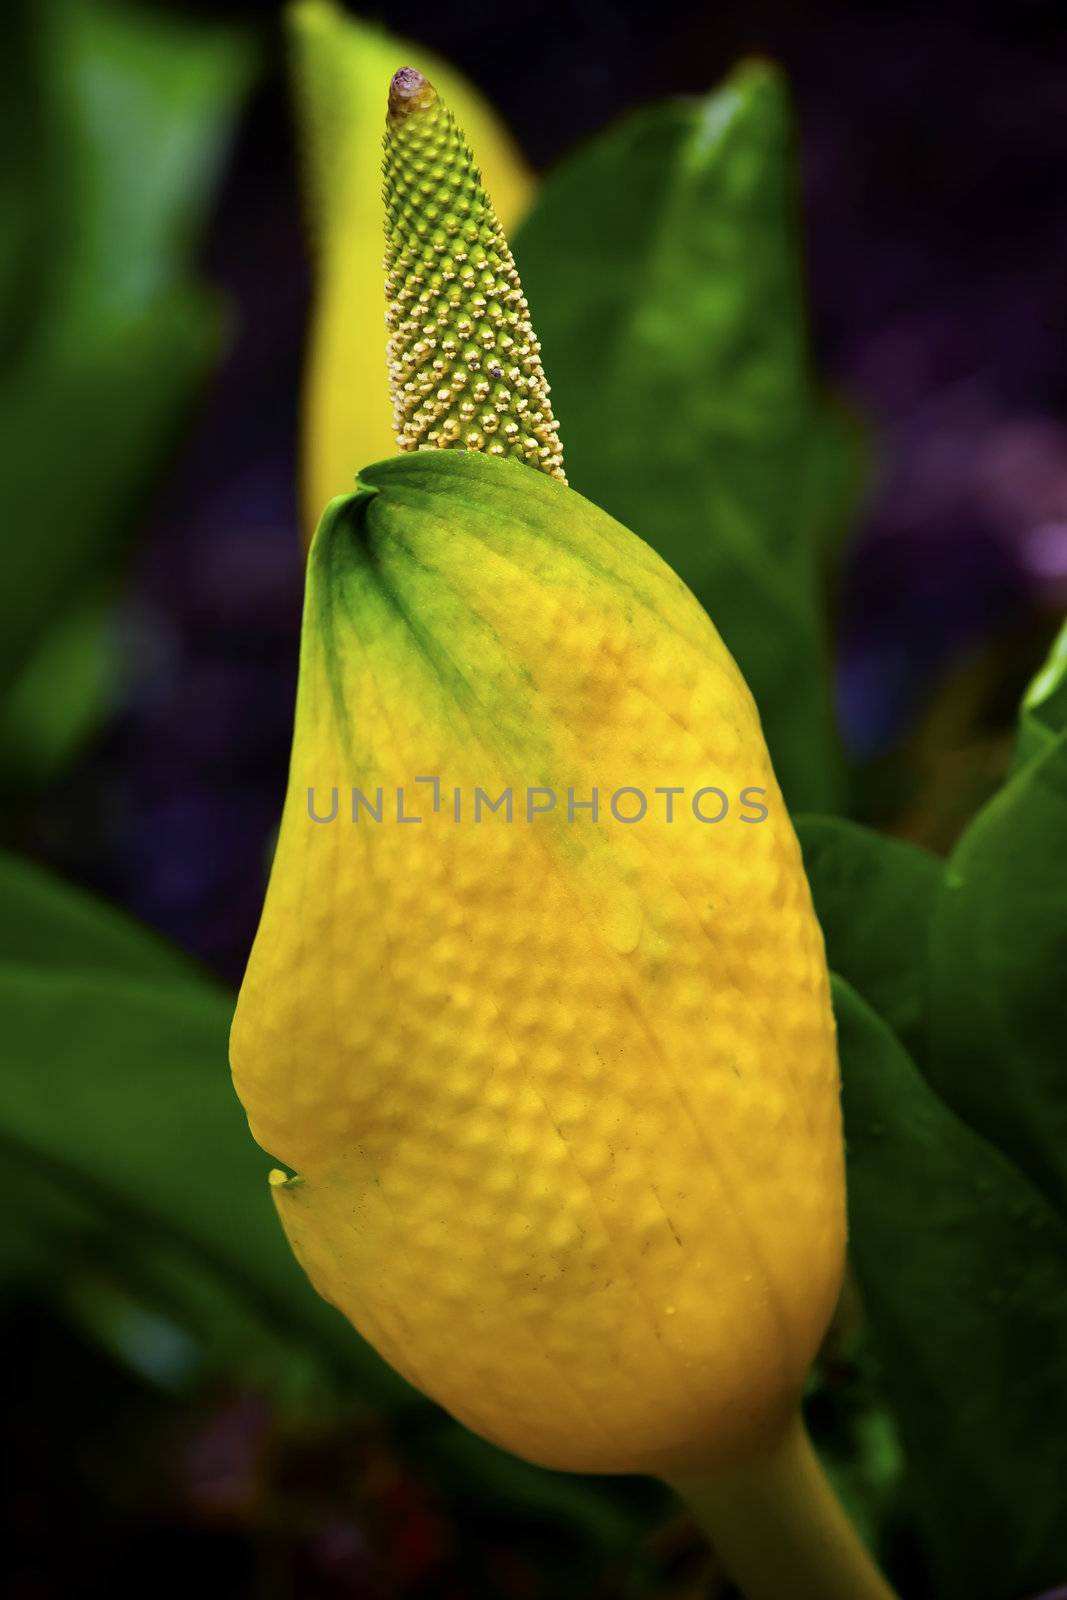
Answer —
409 91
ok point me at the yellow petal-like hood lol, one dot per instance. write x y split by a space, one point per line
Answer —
562 1093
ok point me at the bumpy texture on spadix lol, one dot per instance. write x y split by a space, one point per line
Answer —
464 365
562 1096
339 66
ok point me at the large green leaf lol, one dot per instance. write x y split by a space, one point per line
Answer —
662 269
999 962
963 1270
874 897
106 334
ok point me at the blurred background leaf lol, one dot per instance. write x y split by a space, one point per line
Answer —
47 923
106 336
998 957
874 898
60 694
1043 714
662 267
116 1088
962 1267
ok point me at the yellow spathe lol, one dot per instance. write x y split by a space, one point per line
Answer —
563 1096
340 66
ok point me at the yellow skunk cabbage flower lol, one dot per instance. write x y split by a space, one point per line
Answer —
339 65
560 1086
538 1009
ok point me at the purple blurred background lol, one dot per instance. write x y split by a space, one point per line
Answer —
934 163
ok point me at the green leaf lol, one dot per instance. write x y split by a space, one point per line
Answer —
117 1088
61 695
148 107
51 1225
661 265
998 964
27 189
1043 713
108 335
83 437
874 897
47 923
963 1270
116 1096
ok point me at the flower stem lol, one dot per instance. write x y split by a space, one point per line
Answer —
779 1529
